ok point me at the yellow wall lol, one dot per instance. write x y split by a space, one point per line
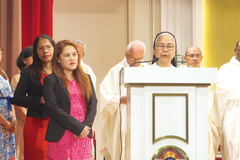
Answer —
221 31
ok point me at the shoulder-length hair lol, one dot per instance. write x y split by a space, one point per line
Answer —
36 67
78 74
25 53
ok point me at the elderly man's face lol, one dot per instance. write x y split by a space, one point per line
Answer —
135 55
237 52
164 49
80 50
193 57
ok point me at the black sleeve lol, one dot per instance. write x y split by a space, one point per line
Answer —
92 107
56 112
20 97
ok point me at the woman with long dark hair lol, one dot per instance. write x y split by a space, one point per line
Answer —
29 95
71 100
24 60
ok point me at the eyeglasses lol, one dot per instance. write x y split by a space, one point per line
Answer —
238 50
41 48
161 46
194 55
134 59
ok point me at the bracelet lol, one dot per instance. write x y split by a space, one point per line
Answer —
13 118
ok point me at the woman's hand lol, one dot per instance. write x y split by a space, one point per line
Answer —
84 132
42 101
14 125
8 126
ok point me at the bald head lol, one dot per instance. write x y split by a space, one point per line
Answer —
237 51
193 56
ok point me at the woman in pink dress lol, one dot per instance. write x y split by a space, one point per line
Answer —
71 100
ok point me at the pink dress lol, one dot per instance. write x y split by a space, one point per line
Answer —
68 148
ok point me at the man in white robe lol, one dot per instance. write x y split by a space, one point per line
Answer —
113 141
81 48
193 58
228 89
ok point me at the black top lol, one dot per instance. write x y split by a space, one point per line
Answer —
28 94
58 102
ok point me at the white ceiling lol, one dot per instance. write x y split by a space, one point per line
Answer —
86 6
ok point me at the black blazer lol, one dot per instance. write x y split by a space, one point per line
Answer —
58 102
33 88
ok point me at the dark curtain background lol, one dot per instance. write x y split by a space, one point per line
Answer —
37 18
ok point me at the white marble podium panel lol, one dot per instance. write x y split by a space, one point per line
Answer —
181 130
169 110
170 116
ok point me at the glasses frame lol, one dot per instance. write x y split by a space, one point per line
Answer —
135 60
164 46
48 48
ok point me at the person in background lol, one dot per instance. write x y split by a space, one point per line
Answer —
81 48
113 145
193 57
164 48
23 60
71 100
8 123
29 95
228 89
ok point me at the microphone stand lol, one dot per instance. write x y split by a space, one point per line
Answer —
153 60
119 108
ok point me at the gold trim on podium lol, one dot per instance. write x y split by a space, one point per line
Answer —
155 139
170 146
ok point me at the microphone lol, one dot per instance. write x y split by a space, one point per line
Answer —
153 60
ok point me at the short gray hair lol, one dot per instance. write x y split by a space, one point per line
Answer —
82 43
136 43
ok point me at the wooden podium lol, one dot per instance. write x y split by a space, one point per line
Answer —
167 112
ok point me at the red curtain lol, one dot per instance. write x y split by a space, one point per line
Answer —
37 18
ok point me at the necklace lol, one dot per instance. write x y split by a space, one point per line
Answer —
47 71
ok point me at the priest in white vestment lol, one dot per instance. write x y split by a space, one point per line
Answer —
193 58
113 141
81 48
228 89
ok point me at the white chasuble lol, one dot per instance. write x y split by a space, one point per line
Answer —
214 123
228 89
87 69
